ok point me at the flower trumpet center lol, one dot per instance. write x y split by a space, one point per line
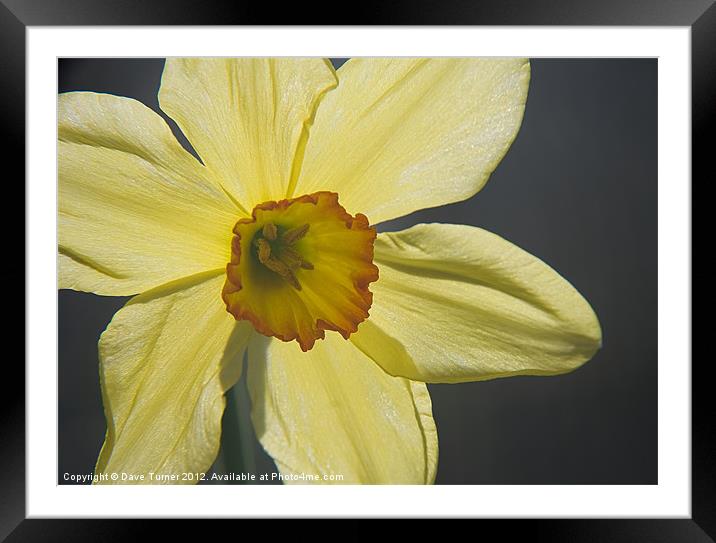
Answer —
276 250
300 267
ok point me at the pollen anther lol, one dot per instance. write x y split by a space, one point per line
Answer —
292 236
278 253
264 250
270 231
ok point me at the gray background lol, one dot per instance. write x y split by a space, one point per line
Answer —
577 189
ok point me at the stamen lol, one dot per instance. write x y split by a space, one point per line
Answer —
292 236
269 231
280 257
276 266
280 268
264 251
294 260
292 280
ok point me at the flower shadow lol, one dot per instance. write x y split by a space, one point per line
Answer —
256 367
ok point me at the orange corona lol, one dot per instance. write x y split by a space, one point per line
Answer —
301 266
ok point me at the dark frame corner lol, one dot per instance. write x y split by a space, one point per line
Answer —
700 15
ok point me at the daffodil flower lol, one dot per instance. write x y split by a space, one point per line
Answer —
266 246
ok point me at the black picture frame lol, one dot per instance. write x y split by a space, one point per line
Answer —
699 15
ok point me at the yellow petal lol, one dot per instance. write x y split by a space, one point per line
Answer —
456 303
399 135
135 209
333 412
309 275
247 118
165 361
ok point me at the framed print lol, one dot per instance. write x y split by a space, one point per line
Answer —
538 448
251 222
